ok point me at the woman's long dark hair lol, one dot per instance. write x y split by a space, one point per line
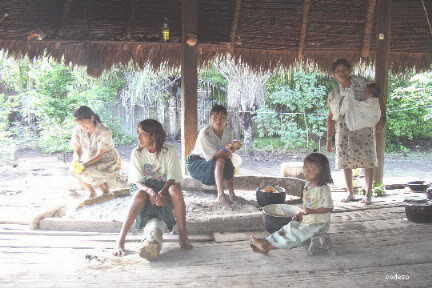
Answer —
85 113
155 129
322 162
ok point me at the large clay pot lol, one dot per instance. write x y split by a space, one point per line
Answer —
277 196
418 186
419 212
275 216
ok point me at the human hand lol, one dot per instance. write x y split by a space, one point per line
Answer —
329 146
119 250
159 199
299 216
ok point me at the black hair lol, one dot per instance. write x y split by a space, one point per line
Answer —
218 109
322 162
341 61
155 129
375 91
85 113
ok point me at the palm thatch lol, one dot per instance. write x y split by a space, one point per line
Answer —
264 34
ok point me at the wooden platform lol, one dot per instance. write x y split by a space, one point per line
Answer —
371 249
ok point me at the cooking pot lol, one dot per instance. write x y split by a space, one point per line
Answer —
277 196
275 216
418 186
419 211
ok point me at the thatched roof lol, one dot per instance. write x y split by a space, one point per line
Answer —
263 33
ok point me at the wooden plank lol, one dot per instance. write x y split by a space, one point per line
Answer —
368 28
383 37
189 79
303 32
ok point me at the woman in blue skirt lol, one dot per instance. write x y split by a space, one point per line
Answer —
210 161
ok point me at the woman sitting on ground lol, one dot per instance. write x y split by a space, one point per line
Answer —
210 161
155 176
315 216
93 152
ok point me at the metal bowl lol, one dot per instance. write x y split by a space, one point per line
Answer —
275 216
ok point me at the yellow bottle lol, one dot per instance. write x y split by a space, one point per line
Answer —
77 167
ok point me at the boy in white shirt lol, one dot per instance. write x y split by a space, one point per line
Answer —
155 176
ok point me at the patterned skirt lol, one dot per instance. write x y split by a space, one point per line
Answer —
103 171
295 233
203 170
355 149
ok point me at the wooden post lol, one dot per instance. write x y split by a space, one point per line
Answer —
189 78
304 27
383 36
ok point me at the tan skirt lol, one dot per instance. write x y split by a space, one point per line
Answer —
104 171
355 149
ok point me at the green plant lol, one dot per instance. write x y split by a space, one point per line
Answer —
295 109
378 190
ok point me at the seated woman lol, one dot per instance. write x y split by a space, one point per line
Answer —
210 161
315 217
155 176
93 152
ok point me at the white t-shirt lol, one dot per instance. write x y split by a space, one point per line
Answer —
145 165
208 143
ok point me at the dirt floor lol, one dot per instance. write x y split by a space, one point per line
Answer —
36 182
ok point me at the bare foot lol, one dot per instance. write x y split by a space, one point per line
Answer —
224 201
367 200
233 197
184 243
259 245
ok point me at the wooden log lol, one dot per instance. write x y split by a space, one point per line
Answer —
383 36
368 28
303 32
189 79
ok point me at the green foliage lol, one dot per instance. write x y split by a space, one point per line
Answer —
268 143
212 79
49 93
295 109
408 115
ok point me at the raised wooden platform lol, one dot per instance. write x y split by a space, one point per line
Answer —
374 248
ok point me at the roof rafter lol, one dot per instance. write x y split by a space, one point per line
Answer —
368 28
303 32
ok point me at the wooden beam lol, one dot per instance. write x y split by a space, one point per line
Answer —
368 28
383 36
66 9
131 22
189 78
234 26
303 32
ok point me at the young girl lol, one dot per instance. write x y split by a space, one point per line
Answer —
317 206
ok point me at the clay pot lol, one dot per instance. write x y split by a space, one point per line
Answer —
275 216
266 198
419 212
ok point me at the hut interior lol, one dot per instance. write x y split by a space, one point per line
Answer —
265 34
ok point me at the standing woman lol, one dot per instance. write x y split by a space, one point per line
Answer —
354 149
94 150
210 161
